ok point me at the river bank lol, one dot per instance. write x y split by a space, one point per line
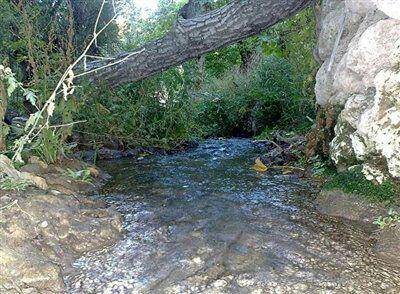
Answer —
43 231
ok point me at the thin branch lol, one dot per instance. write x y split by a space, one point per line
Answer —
68 125
97 21
100 57
110 64
9 205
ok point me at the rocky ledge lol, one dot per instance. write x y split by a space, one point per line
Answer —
359 211
43 231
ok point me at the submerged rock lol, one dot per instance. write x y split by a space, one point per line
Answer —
351 207
387 245
355 208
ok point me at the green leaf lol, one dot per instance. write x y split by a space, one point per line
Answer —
12 85
32 118
30 96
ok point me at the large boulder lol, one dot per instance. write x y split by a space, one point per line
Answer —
389 7
367 56
361 75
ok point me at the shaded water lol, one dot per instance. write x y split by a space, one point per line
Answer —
204 222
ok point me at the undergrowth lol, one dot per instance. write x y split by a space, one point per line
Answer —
354 182
80 175
247 103
391 219
13 185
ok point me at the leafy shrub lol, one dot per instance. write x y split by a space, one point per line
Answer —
391 219
80 175
155 112
244 103
50 145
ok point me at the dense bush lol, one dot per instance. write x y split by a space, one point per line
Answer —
223 94
156 112
244 103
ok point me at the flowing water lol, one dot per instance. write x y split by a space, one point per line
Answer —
205 222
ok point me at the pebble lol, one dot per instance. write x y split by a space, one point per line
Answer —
44 224
220 283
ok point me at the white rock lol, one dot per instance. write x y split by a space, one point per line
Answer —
354 107
373 173
389 7
362 7
44 224
365 79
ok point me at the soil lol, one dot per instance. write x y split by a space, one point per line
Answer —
43 232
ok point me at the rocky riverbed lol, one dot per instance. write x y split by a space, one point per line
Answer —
42 231
205 222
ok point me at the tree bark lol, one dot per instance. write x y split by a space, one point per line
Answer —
191 38
3 109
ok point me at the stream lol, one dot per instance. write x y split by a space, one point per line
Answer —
204 222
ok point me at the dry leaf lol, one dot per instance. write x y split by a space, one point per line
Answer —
260 166
50 108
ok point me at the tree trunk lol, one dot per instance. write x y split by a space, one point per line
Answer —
191 38
3 108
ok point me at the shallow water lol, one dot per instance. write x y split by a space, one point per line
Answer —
204 222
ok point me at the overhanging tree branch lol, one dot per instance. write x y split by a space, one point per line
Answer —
190 38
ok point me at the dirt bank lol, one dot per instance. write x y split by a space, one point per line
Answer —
43 231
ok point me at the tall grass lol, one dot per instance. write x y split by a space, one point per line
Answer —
245 103
157 112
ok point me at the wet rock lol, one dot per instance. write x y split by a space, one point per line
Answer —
351 207
387 245
282 150
106 154
42 233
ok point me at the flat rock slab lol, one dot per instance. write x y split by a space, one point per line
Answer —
336 203
351 207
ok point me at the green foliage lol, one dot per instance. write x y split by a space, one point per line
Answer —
276 93
294 39
354 182
241 96
14 185
155 112
386 221
38 41
50 145
243 103
80 175
139 30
